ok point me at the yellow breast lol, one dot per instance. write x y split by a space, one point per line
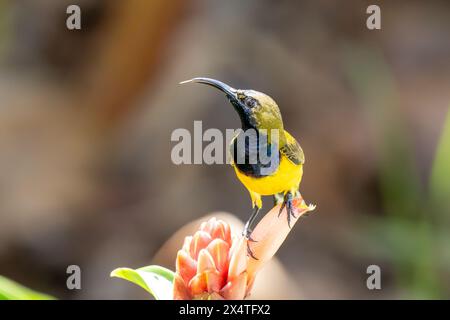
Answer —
286 177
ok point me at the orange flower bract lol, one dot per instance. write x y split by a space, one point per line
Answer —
213 263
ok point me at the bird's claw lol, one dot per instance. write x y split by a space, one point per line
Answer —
289 213
290 208
283 205
247 233
250 252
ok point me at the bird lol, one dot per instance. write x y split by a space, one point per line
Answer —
281 176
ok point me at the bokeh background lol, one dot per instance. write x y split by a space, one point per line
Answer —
86 116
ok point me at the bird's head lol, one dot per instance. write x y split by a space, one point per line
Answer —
256 109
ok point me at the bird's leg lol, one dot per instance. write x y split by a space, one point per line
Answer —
247 232
288 197
282 207
247 228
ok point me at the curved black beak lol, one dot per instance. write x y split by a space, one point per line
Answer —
229 91
232 95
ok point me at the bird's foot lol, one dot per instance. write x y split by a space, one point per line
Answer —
290 208
247 233
250 252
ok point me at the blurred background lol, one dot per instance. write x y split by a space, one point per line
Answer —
86 116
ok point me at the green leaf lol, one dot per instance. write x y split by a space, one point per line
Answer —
10 290
158 281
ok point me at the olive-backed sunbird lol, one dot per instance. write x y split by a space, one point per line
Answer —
281 178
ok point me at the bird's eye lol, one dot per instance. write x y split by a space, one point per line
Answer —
250 102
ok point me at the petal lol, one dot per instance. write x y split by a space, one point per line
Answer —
203 226
186 267
238 260
200 241
208 226
197 285
219 252
234 244
271 232
187 243
221 230
205 261
202 296
215 296
227 231
208 281
180 291
214 281
235 289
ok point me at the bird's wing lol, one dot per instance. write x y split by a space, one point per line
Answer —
247 157
292 150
